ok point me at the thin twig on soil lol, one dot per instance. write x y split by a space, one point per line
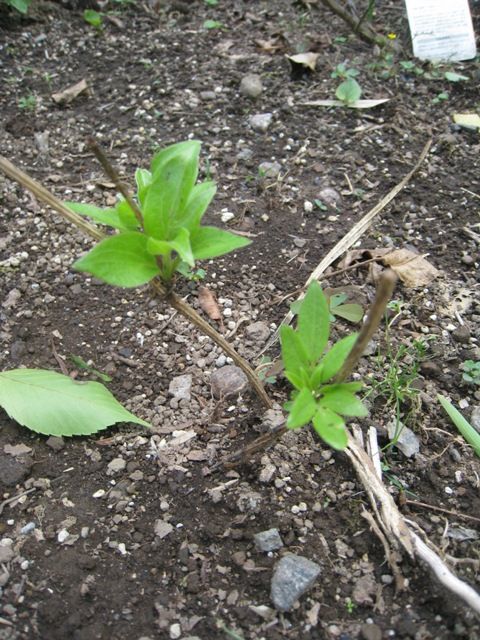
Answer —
364 33
432 507
177 303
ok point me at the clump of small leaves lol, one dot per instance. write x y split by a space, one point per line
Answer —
160 233
28 103
319 396
471 371
343 72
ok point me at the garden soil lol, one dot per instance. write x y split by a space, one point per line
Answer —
137 534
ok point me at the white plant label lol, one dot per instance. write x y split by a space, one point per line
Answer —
441 30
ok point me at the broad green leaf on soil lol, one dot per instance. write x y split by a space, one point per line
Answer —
451 76
143 178
470 434
211 242
302 409
313 322
342 401
121 260
349 91
330 427
333 360
108 217
50 403
351 311
294 355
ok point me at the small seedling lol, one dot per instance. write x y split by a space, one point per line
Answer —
321 205
343 72
350 606
318 397
211 3
471 371
93 18
352 312
161 231
441 97
349 91
28 103
213 24
80 363
263 371
470 434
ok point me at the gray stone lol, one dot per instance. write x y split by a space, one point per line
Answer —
406 441
330 197
6 554
475 418
180 387
115 466
461 334
251 85
55 442
364 590
258 332
245 154
269 169
268 540
249 501
260 121
371 632
13 471
163 529
228 382
293 576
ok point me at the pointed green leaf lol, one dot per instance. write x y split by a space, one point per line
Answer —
121 260
200 197
211 242
331 428
143 178
108 217
313 322
294 355
470 434
299 379
302 409
333 361
186 149
336 300
352 312
181 244
342 401
50 403
159 247
173 179
126 215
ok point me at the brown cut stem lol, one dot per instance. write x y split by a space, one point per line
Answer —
364 33
177 303
115 178
385 287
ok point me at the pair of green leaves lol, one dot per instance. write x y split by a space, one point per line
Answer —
318 398
168 236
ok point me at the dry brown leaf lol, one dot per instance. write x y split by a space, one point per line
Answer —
67 95
308 60
209 304
269 46
412 269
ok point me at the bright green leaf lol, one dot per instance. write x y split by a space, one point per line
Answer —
333 360
338 399
143 178
349 91
470 434
313 322
159 247
211 242
20 5
200 197
337 299
331 428
126 215
173 179
294 355
451 76
302 409
181 244
121 260
50 403
108 217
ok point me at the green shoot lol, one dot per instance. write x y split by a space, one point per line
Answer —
471 371
470 434
318 397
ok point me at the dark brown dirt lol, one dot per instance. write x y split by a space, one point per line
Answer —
92 567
